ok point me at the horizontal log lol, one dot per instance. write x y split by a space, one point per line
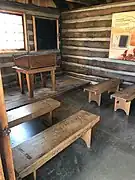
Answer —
99 10
28 17
31 38
84 53
94 79
97 71
91 29
103 64
30 9
5 65
87 39
87 77
95 44
87 24
86 48
7 70
29 21
30 27
87 19
7 78
102 34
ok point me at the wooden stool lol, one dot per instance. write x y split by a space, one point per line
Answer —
123 99
95 91
30 77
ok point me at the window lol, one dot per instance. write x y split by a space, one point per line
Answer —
11 32
46 34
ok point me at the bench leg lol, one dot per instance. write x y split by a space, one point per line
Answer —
29 78
43 79
21 81
34 175
95 97
122 104
87 138
53 80
51 117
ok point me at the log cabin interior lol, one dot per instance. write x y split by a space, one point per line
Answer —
67 89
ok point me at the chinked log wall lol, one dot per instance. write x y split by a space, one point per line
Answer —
85 43
6 60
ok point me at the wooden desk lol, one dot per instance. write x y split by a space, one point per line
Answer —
30 77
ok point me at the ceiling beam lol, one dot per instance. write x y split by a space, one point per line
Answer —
84 2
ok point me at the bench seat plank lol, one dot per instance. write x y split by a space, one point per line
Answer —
32 154
103 86
127 94
123 99
31 111
95 91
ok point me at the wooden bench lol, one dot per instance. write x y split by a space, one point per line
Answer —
123 99
95 91
32 154
31 111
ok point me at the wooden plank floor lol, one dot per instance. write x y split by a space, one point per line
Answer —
64 83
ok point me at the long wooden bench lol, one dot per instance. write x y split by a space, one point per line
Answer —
123 99
31 111
95 91
32 154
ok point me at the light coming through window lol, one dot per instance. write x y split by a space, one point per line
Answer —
11 32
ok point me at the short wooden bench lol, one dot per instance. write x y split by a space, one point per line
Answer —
95 91
32 154
123 99
31 111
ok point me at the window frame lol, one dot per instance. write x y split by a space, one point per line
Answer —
24 33
35 30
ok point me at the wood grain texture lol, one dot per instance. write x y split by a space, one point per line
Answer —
31 111
5 146
88 24
27 158
98 71
90 44
103 86
102 10
29 9
127 94
1 171
99 34
76 31
101 62
84 53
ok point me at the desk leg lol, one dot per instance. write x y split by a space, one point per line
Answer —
43 79
30 78
21 81
53 80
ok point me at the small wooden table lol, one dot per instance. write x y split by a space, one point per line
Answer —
30 77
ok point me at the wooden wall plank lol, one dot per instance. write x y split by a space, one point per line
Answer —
104 23
1 170
99 34
99 10
113 65
89 30
84 53
98 71
90 44
5 140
